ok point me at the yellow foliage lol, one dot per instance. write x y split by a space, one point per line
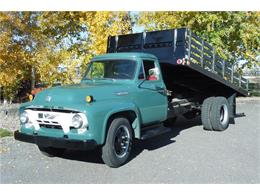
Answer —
231 32
45 41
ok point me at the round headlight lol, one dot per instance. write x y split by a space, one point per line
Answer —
24 118
77 121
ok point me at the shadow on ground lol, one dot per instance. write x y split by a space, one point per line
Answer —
154 143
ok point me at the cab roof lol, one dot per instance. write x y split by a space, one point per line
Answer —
123 55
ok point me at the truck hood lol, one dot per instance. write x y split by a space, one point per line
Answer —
70 95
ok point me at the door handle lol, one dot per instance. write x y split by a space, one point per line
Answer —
161 90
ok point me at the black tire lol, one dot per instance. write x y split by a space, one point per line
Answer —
170 122
206 112
219 116
51 152
117 148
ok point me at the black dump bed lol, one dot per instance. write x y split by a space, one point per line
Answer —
189 65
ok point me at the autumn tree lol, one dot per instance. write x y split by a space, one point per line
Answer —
44 41
48 43
75 37
15 50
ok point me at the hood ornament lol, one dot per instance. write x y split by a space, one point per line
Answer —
48 98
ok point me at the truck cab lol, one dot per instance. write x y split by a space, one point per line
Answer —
140 75
118 95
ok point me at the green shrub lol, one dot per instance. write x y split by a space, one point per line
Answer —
5 133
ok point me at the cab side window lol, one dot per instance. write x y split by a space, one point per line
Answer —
150 70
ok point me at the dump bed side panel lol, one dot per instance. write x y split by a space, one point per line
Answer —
180 49
167 45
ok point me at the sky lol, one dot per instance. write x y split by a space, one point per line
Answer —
136 28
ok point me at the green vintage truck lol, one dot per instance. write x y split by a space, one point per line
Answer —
145 81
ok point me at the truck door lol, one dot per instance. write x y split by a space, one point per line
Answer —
152 98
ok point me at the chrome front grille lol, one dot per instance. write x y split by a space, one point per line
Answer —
49 124
58 127
51 119
54 119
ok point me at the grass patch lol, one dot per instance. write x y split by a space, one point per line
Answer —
5 133
255 93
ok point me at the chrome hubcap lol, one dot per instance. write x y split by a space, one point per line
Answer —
223 114
122 141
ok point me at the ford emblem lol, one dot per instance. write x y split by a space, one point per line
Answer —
48 98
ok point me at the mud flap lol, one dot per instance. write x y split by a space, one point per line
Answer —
232 108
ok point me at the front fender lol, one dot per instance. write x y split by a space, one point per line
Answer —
121 107
103 111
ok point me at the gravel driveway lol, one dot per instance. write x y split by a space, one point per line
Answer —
185 155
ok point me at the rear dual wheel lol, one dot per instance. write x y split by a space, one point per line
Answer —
215 113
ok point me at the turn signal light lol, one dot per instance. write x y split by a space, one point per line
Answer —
30 97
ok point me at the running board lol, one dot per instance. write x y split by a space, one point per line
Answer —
153 131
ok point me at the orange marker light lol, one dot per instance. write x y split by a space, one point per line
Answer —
30 97
89 98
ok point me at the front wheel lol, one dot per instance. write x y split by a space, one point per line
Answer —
117 148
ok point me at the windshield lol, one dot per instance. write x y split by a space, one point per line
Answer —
111 69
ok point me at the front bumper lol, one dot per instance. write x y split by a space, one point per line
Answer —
45 141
